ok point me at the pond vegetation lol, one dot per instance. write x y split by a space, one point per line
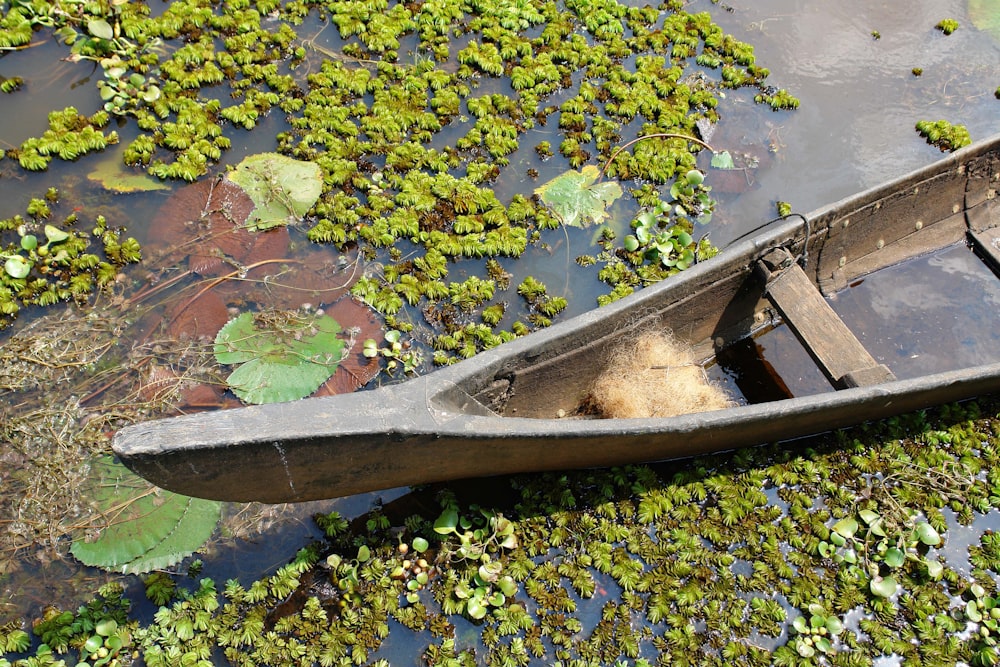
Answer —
411 121
830 552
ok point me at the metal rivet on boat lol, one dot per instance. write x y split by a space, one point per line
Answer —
842 262
919 225
880 244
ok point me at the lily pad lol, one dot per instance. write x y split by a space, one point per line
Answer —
146 528
282 189
577 198
114 175
280 355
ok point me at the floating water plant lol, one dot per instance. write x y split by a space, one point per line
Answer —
282 189
144 528
60 268
947 26
398 354
279 356
577 198
817 632
943 134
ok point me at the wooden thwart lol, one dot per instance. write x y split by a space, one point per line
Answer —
840 355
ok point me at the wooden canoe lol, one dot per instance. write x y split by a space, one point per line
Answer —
500 412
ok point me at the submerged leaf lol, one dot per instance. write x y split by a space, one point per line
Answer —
147 528
723 160
985 15
114 175
282 189
282 356
577 198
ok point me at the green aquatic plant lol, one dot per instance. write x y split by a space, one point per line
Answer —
578 198
983 610
61 268
279 355
477 539
145 529
943 134
947 26
398 354
817 632
123 92
70 136
282 189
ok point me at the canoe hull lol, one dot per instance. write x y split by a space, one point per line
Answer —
498 413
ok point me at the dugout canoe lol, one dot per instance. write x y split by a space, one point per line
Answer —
505 411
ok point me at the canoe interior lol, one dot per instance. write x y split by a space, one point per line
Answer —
910 269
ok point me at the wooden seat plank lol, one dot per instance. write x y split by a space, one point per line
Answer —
834 347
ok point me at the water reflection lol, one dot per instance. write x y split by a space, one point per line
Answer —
860 98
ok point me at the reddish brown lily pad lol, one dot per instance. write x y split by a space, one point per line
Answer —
355 370
204 222
161 383
321 275
197 318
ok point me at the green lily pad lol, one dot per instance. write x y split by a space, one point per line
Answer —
282 189
985 15
147 528
281 355
577 198
115 176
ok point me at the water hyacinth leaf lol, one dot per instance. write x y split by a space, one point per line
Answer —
476 609
55 235
420 545
147 529
446 523
927 535
282 189
972 611
17 267
894 557
577 198
834 625
800 624
846 527
883 587
101 29
282 355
